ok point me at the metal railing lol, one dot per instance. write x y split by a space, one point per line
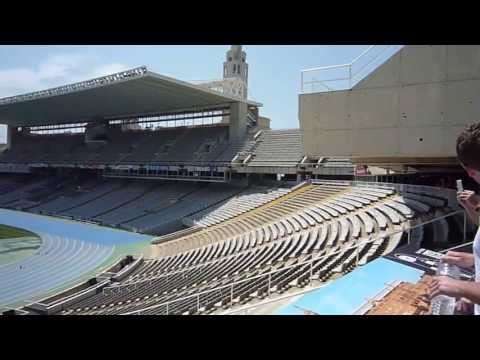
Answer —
265 278
247 309
100 81
345 76
449 195
234 87
189 174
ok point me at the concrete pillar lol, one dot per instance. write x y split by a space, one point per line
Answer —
238 121
299 178
10 131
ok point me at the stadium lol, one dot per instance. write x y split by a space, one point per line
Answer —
140 194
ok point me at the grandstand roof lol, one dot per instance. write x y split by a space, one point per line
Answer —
121 95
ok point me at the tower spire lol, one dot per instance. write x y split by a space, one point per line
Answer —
236 66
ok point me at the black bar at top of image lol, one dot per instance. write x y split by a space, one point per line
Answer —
225 26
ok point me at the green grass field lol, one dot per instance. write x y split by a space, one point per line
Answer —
17 244
8 232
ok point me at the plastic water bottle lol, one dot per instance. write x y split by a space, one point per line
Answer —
459 185
443 304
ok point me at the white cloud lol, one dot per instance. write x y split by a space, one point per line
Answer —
15 81
59 66
55 71
103 70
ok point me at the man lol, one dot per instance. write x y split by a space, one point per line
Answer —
468 152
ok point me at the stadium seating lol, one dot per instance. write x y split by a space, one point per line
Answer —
41 149
313 233
185 144
23 190
119 194
162 146
278 148
167 218
239 204
241 147
67 197
139 205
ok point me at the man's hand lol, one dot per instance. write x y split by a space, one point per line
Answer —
444 285
464 307
461 259
468 199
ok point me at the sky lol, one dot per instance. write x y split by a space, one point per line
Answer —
274 71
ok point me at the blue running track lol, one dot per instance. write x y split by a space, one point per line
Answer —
69 249
67 228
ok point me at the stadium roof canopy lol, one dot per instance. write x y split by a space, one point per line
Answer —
136 92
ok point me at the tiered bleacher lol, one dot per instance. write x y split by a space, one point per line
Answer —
23 188
162 145
76 194
334 166
167 217
278 148
239 204
310 235
149 206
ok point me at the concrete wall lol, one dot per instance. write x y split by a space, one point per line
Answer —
263 123
414 105
238 121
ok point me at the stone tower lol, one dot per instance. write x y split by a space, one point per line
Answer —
236 67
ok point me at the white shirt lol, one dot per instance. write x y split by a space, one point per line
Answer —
476 254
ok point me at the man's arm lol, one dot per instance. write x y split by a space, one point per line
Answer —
464 307
473 214
444 285
471 203
461 259
471 291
